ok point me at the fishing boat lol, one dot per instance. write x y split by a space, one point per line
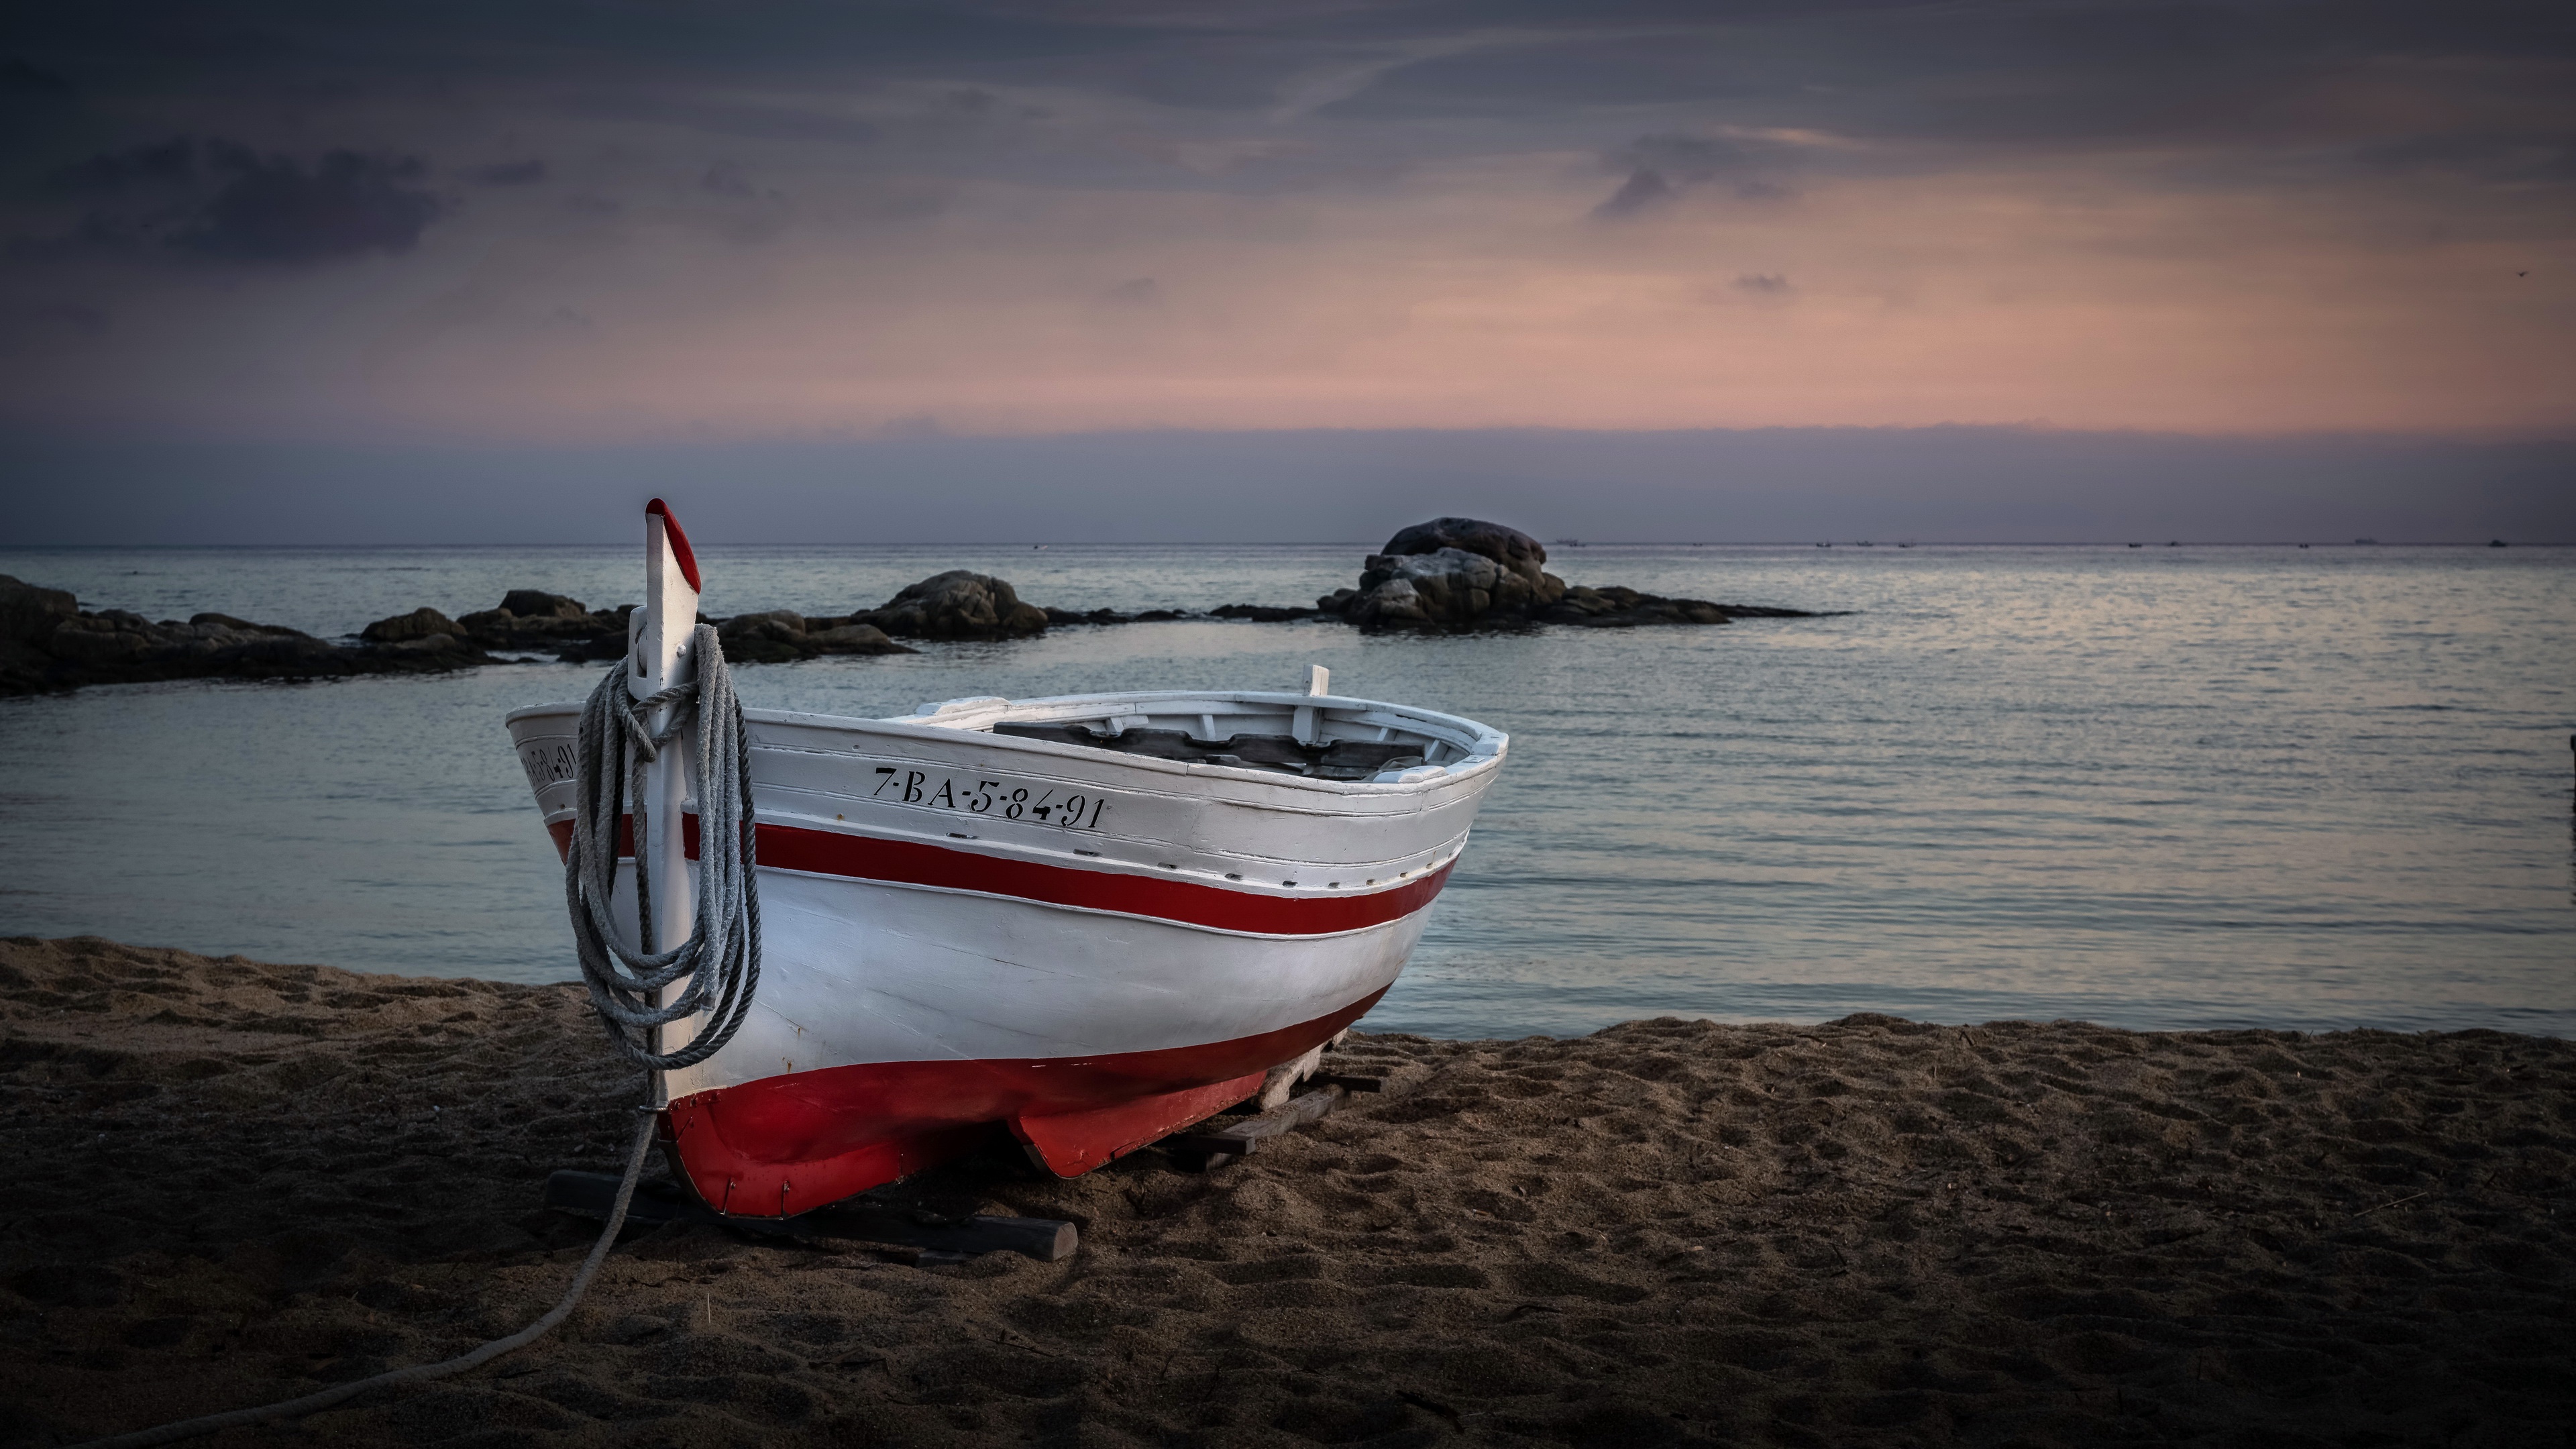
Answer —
1086 921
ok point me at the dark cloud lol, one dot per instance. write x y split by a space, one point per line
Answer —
1645 188
169 163
221 201
1763 284
277 210
2239 83
1659 167
726 179
510 173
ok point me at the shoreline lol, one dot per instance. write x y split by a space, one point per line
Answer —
238 1181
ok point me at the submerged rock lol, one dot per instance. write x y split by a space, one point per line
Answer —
48 642
1262 613
956 605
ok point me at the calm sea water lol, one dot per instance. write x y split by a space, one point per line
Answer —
2155 788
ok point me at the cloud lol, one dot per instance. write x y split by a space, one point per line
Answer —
2289 212
1684 158
1659 167
219 200
1763 284
1644 188
275 210
510 173
170 163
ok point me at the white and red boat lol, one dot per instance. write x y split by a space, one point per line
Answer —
1089 921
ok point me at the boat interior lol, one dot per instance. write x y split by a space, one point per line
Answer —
1322 760
1313 737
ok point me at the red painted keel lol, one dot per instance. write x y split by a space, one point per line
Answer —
788 1144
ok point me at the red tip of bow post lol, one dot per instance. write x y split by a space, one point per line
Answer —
680 550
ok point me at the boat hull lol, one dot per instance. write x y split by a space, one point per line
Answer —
1085 990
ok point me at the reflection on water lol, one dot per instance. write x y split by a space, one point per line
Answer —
2170 787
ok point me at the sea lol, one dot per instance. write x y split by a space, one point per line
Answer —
2156 787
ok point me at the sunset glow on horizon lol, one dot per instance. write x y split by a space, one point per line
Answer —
994 221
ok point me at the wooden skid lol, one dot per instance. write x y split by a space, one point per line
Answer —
1217 1148
592 1194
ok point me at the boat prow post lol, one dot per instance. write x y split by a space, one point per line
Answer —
659 657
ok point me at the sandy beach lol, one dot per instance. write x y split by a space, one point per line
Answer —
232 1182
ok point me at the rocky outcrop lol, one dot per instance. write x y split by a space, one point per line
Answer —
1509 547
420 623
1618 608
783 637
48 642
536 621
956 605
1465 573
1449 573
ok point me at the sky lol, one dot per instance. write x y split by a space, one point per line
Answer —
1969 268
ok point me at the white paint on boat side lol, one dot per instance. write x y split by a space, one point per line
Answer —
858 972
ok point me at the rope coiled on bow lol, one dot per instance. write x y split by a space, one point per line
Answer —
721 958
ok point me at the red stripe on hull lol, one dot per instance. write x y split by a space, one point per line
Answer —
904 862
788 1144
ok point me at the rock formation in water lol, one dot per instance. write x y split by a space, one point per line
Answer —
534 621
47 641
1466 573
956 605
783 637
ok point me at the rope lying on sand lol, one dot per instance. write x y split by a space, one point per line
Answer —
418 1373
726 943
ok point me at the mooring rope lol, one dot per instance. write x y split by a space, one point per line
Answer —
613 748
721 958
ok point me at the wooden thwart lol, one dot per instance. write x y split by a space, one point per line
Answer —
592 1194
